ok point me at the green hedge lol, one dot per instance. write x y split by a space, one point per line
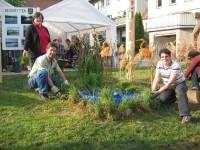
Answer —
118 44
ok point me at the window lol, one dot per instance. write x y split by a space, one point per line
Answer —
159 3
86 37
109 16
103 33
73 37
102 3
172 1
123 35
122 13
108 2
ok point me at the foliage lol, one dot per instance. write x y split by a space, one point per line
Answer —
73 95
29 123
24 60
127 86
139 30
146 37
91 67
16 3
118 44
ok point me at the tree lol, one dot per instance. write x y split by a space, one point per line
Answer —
139 30
16 3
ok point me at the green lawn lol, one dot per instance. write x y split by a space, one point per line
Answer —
27 123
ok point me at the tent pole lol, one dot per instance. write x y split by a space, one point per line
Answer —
74 27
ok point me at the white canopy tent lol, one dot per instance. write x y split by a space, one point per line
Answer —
77 16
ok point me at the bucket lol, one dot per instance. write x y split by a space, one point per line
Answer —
198 96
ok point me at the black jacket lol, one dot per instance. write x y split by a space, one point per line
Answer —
32 41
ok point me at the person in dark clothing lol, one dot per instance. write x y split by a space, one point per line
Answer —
97 37
69 49
194 69
36 38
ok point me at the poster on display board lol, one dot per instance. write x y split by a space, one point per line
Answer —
15 21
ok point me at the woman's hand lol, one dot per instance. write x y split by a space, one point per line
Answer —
24 53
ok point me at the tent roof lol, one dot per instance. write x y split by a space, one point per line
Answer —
76 15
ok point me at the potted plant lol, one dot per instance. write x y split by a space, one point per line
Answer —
24 60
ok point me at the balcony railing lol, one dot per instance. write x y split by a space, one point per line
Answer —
120 21
172 20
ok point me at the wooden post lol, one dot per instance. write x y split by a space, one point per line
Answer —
0 64
130 34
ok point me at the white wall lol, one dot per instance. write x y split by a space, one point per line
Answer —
107 29
117 6
55 32
180 6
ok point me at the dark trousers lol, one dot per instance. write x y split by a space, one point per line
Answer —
195 79
180 91
16 60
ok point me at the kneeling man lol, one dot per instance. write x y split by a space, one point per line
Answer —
43 68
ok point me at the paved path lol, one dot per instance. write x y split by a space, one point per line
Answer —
27 72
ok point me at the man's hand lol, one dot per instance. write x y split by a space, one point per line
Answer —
154 94
66 82
56 91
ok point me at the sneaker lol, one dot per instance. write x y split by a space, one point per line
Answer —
4 70
195 88
186 119
43 97
37 90
18 71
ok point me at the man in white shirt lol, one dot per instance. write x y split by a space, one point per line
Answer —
40 74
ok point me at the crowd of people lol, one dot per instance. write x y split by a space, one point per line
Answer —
42 52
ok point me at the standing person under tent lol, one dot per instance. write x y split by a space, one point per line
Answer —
36 38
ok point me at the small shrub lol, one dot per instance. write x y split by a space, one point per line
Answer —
98 109
73 95
105 95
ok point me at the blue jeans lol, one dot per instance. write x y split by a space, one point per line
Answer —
4 60
40 81
16 62
181 92
195 80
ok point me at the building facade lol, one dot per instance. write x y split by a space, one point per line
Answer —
171 22
116 10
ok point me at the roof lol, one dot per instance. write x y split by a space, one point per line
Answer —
145 14
43 4
78 15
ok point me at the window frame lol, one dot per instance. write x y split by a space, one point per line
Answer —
158 3
172 2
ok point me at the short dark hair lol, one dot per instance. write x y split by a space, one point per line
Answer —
36 15
165 51
52 44
67 40
55 40
193 53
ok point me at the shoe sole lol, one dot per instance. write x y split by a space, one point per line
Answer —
43 99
